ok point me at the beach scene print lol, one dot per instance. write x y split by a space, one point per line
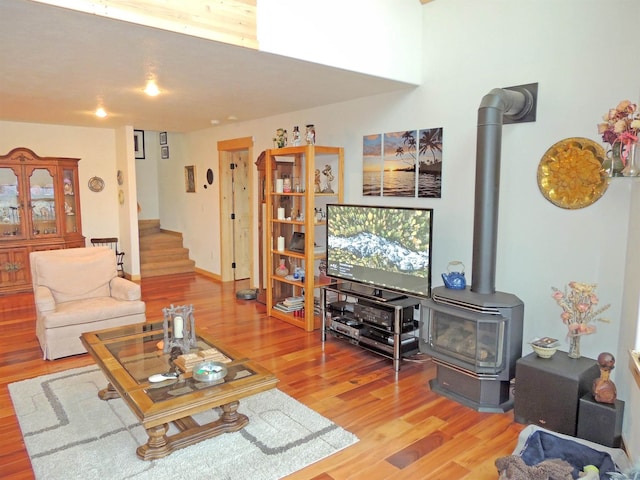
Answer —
400 157
372 165
430 163
403 164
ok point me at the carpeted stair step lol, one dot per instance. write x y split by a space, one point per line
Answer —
148 227
159 241
154 255
162 253
156 269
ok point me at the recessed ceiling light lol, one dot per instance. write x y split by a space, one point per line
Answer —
232 117
151 89
215 122
101 112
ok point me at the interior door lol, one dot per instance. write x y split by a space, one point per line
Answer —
236 236
241 215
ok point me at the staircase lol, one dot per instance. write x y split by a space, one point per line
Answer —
162 253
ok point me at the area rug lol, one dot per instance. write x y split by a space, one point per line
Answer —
70 433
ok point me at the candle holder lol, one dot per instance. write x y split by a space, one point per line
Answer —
179 328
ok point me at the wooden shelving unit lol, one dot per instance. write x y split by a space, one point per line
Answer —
307 191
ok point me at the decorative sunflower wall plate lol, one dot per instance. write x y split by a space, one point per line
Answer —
570 173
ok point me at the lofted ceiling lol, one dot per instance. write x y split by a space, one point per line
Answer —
59 65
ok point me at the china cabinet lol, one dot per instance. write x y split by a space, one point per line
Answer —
299 182
39 210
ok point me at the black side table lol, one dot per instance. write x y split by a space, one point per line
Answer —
548 390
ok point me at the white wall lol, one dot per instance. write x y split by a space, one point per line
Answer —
382 40
147 176
471 47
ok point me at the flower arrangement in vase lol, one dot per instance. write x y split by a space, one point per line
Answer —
578 303
620 129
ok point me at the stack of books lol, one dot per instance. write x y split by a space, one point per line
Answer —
290 304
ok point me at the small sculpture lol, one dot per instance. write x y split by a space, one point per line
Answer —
310 135
280 140
297 141
604 390
327 173
317 181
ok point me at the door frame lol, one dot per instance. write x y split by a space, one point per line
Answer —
226 147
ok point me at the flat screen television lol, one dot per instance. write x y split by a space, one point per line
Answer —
381 247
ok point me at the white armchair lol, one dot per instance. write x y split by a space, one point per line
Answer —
78 290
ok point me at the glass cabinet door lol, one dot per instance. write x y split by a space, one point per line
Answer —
11 224
43 202
70 200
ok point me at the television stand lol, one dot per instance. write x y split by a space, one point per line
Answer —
383 324
386 295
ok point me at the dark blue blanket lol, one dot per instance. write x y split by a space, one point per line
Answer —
545 446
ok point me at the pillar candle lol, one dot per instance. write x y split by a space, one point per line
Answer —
280 213
280 244
178 326
279 185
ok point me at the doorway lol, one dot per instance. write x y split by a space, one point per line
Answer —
236 209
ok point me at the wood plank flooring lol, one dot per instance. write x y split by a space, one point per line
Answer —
405 430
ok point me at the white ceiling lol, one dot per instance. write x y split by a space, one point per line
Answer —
57 65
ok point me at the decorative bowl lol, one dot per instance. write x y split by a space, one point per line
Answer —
209 371
544 352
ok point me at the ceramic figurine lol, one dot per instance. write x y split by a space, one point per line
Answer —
327 173
310 135
296 141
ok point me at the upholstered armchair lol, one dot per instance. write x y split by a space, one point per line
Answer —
78 290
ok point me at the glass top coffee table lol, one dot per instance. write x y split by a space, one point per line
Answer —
129 355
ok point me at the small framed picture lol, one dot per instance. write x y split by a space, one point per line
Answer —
164 152
138 143
163 138
190 178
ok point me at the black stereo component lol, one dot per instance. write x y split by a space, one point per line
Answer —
384 315
378 342
346 326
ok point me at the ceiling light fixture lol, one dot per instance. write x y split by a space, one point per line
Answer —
101 112
151 89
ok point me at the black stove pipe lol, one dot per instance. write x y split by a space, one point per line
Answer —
515 104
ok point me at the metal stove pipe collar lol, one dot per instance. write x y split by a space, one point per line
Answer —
513 103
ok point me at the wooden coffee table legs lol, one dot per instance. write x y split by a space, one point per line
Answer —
160 444
108 393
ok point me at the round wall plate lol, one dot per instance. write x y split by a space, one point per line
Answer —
570 173
121 196
120 177
96 184
209 176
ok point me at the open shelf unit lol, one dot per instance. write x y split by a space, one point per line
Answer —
298 187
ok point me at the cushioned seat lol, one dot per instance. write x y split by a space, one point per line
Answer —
78 290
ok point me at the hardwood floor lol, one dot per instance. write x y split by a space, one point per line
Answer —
405 430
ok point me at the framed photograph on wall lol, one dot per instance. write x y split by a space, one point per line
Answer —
190 178
138 143
163 138
164 152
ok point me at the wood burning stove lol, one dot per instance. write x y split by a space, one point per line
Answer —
475 335
475 341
